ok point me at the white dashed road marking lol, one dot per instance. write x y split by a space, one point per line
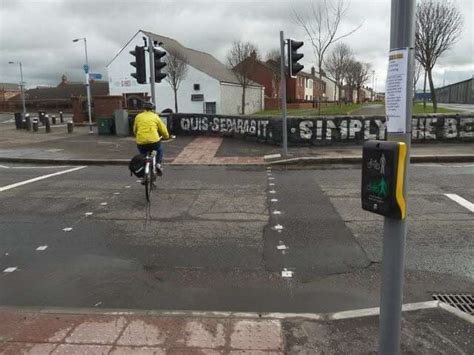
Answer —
463 202
10 269
271 178
12 186
67 229
103 203
274 200
42 247
272 191
286 273
272 184
116 193
278 227
88 214
282 247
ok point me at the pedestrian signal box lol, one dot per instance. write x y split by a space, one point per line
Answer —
383 173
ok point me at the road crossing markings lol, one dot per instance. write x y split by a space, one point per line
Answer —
276 212
10 269
462 201
271 184
67 229
42 247
87 214
271 178
274 200
103 203
272 191
278 228
12 186
286 273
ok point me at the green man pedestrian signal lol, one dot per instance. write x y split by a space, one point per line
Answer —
293 57
383 175
159 65
139 64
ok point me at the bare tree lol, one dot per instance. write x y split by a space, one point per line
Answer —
438 26
336 65
350 77
321 25
176 70
416 77
274 62
242 58
361 75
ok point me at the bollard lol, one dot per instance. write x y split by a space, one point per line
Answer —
53 119
41 116
47 124
61 117
70 127
35 125
28 122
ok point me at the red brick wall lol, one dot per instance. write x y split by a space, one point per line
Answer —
104 106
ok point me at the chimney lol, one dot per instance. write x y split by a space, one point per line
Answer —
313 71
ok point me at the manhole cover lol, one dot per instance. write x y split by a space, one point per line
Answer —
462 301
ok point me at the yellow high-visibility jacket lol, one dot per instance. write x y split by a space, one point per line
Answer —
149 128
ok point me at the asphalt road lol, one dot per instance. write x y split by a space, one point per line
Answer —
222 238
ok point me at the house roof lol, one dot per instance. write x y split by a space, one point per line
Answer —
66 91
202 61
9 86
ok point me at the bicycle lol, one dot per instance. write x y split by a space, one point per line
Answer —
149 177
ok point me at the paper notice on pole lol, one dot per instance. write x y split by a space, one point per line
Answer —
396 91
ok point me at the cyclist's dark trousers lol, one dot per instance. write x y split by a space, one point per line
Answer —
145 148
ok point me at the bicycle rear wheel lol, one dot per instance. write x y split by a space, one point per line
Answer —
148 184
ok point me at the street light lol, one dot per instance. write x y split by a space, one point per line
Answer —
373 84
86 69
21 87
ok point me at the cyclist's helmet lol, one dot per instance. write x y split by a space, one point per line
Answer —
149 106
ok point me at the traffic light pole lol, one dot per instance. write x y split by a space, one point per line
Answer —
402 36
151 56
283 94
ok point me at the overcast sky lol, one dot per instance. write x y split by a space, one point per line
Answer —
39 33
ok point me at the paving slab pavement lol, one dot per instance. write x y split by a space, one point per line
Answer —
427 328
83 148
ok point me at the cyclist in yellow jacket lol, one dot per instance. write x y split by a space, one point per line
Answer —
149 129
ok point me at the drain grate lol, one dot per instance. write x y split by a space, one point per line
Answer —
462 301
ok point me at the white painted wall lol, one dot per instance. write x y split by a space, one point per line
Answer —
121 81
330 89
231 99
308 88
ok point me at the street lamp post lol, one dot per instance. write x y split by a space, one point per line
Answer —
88 87
21 87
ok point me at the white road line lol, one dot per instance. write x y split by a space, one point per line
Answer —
88 214
282 247
274 200
12 186
272 191
103 203
278 227
286 273
116 193
272 184
271 178
42 247
10 269
463 202
35 167
67 229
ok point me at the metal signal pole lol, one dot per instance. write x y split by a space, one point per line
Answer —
402 38
283 94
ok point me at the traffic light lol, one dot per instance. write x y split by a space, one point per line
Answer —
139 64
293 57
159 65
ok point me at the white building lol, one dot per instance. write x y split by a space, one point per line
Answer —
208 87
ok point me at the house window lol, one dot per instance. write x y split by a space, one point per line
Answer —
197 87
210 108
